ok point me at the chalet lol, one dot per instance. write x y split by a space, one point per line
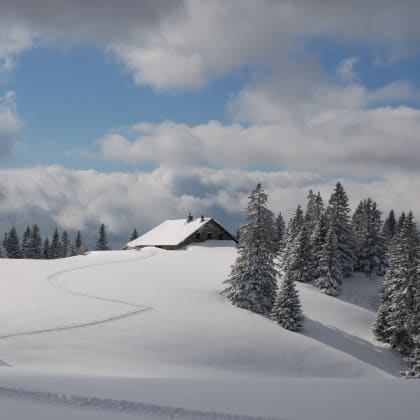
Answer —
178 233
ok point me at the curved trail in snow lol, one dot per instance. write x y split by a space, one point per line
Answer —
54 282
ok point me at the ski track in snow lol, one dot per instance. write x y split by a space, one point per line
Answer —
119 406
53 280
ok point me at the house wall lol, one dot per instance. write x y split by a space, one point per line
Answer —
209 227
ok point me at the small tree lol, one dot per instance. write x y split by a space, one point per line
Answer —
102 242
27 251
287 310
55 249
134 235
64 244
46 251
11 244
78 240
36 242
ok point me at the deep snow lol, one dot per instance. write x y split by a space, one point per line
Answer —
151 327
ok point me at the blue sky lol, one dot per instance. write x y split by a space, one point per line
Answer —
130 115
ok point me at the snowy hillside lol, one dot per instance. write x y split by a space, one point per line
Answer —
150 327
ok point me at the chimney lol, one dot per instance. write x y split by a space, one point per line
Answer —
202 218
190 217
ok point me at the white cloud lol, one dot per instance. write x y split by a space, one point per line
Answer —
74 200
346 71
14 39
186 44
10 125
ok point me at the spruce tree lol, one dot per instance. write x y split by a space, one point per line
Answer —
36 242
102 242
369 241
280 227
330 276
11 244
78 240
71 250
390 227
414 361
293 228
27 247
403 326
252 283
337 213
299 266
401 221
287 309
134 235
83 249
317 240
56 245
46 250
64 244
381 325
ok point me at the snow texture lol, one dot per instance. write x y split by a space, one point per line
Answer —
192 350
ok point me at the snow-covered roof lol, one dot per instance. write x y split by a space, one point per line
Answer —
170 232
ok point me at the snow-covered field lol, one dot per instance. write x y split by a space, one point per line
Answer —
128 334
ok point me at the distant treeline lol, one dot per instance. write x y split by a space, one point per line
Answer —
35 247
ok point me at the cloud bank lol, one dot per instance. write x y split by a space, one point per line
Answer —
54 196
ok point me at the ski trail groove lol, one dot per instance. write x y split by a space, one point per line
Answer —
53 280
119 406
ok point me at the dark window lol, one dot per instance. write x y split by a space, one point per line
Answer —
209 235
220 236
197 235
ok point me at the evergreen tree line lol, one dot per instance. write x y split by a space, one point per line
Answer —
323 245
34 247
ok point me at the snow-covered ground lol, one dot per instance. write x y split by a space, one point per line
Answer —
147 335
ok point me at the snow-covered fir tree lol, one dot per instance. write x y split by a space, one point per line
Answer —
401 221
293 228
317 240
46 249
314 210
390 227
280 227
403 289
71 249
64 244
369 242
83 249
300 264
78 240
338 213
55 245
134 235
36 242
27 243
287 310
330 276
381 326
252 283
102 242
11 244
414 361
